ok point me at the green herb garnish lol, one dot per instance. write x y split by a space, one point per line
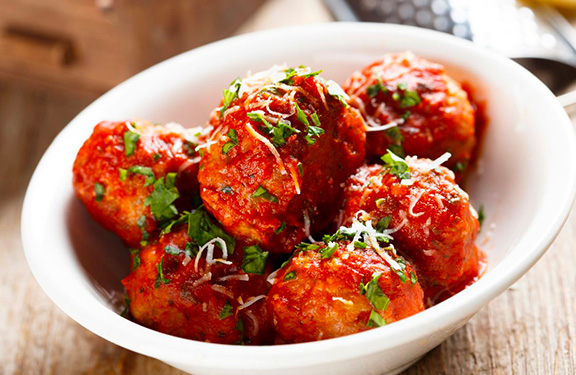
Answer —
254 260
226 311
230 94
301 115
413 278
172 250
162 198
360 245
397 139
145 171
396 165
261 192
376 320
123 174
374 293
313 131
328 250
231 143
281 228
160 279
130 139
336 91
481 215
135 258
281 131
141 222
99 191
290 275
202 229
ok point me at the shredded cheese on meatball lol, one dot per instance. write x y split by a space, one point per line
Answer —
251 301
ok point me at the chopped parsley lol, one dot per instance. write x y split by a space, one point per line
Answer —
145 171
240 328
157 156
126 309
254 260
360 245
99 191
373 90
135 258
181 220
396 140
227 190
258 116
290 275
329 250
460 167
123 174
336 91
202 229
141 223
281 131
396 165
374 293
481 215
233 142
313 131
160 279
230 94
281 228
300 169
301 115
375 320
130 139
261 192
400 272
297 72
383 223
413 278
162 198
226 311
315 119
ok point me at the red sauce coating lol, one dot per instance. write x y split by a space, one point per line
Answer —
100 159
230 181
322 298
436 225
190 304
442 121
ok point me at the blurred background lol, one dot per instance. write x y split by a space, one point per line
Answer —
58 56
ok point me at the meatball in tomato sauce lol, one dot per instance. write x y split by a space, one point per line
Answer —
429 217
199 292
427 113
284 142
325 293
134 176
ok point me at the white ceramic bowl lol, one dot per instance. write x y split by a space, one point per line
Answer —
525 181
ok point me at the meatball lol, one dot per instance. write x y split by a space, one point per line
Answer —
431 110
428 216
134 176
318 297
177 290
283 144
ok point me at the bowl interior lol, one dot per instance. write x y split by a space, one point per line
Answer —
526 155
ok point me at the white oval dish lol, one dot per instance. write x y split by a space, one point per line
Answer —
526 181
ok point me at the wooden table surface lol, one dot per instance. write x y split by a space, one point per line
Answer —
529 329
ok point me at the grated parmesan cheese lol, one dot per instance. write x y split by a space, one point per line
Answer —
251 301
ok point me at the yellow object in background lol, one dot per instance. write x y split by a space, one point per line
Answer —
563 4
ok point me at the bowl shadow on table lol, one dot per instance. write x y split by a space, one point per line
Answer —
102 255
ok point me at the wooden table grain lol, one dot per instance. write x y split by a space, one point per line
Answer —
529 329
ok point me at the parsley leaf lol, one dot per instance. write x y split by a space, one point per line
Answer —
258 116
123 174
373 90
290 275
240 328
481 215
160 279
374 293
135 258
396 139
300 168
99 191
172 250
375 320
263 193
383 223
360 245
281 228
230 94
254 260
130 139
226 311
313 131
281 131
396 166
336 91
329 250
301 115
126 309
231 143
410 99
202 229
141 223
145 171
162 198
413 278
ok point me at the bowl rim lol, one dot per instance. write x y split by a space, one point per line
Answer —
102 321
